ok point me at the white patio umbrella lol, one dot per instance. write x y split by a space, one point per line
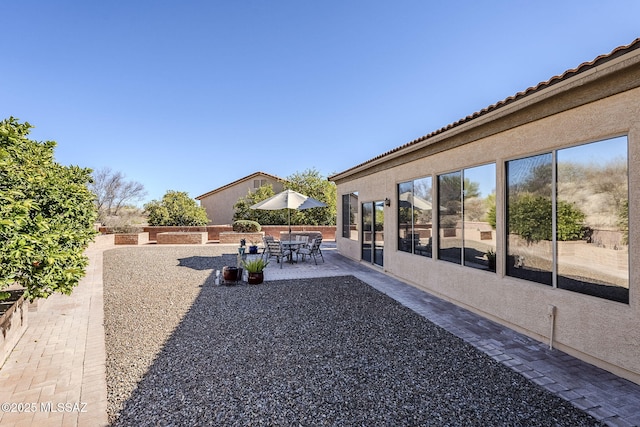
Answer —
408 199
288 199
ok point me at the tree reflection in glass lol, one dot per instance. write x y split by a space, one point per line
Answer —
414 216
529 219
592 212
450 217
422 216
479 204
405 217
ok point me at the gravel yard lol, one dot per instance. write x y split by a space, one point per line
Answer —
310 352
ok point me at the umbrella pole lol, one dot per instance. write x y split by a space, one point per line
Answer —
289 212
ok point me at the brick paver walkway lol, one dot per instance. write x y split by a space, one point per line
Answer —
61 357
55 376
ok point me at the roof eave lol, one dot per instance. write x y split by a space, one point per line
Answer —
508 106
238 181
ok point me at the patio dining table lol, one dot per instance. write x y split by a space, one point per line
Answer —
291 245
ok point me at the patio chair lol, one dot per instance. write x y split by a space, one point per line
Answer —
265 248
303 239
312 250
274 249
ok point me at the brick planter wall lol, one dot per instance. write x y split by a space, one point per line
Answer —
182 238
13 323
231 237
131 238
214 231
155 230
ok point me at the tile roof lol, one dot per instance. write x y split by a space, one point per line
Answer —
585 66
253 175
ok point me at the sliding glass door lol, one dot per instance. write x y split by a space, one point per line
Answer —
373 232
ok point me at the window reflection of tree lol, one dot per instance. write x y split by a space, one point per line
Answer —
591 219
529 218
593 178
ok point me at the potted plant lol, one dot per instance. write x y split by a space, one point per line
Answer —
231 274
255 274
491 259
253 247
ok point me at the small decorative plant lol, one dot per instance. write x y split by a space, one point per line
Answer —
491 258
255 266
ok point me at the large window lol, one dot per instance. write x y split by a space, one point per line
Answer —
466 217
567 219
350 215
450 217
478 211
530 218
414 216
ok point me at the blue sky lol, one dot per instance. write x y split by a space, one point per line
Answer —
191 95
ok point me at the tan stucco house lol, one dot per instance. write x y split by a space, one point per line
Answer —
526 212
219 202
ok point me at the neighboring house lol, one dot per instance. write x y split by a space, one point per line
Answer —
219 202
534 224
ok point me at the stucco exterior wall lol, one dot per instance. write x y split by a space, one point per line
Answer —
599 331
219 204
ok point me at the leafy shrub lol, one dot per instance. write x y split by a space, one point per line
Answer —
176 208
246 226
46 215
623 221
530 217
570 222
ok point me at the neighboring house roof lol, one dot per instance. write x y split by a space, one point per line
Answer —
585 66
246 178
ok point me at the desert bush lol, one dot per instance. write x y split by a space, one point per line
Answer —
246 226
176 208
530 217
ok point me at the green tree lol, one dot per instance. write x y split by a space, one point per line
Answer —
530 217
176 208
242 208
490 204
570 222
623 221
47 215
311 183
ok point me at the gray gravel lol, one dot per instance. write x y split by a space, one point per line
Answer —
332 351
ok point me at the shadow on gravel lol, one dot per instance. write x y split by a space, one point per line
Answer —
198 262
329 351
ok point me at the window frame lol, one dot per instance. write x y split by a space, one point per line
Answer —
350 209
416 243
557 258
461 231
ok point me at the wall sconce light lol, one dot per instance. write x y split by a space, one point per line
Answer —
387 202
